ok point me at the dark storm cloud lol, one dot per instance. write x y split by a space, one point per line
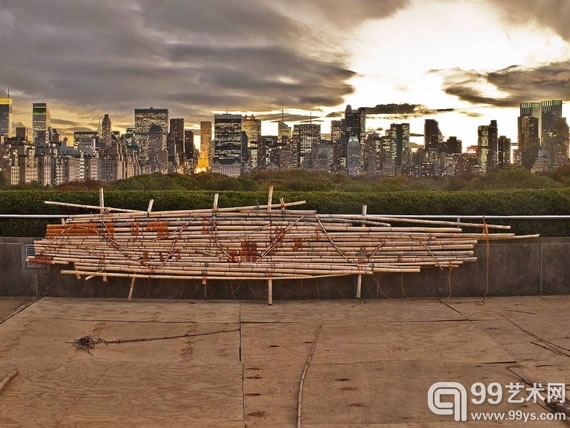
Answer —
470 113
63 122
403 111
287 117
193 57
392 109
553 14
342 13
550 81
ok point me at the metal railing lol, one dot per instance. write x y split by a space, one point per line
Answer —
457 218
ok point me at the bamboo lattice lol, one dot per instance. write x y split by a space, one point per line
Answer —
254 243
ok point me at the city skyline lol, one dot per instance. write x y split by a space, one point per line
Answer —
479 58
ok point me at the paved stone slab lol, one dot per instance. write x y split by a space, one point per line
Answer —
373 362
9 305
352 311
391 392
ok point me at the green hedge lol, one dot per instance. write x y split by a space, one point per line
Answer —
512 202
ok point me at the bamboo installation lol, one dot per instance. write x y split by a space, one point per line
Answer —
264 242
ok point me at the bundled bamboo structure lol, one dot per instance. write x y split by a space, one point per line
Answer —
252 243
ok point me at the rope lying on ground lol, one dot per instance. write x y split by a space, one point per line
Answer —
86 343
8 378
302 382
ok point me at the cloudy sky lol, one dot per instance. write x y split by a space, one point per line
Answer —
480 58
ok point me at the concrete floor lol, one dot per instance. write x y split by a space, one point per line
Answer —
373 363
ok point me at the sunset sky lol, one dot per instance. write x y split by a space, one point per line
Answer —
478 57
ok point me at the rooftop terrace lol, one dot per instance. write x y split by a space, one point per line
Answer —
239 364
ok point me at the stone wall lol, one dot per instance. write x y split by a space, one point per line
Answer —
515 268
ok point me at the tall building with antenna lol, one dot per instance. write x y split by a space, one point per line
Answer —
283 130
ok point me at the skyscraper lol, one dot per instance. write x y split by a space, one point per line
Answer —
355 122
206 152
6 116
530 109
528 140
554 133
550 113
304 135
453 146
336 130
353 156
503 152
283 130
432 134
483 146
493 145
399 144
227 144
40 123
176 146
148 119
145 119
106 132
188 151
252 128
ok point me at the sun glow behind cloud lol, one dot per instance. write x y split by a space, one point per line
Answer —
393 59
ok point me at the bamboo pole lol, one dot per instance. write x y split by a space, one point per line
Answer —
132 287
125 213
270 291
92 207
358 285
101 201
436 222
229 278
8 378
215 205
270 198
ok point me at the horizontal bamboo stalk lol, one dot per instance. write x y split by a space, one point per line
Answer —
293 245
439 222
387 267
199 277
247 269
190 260
137 214
228 226
220 255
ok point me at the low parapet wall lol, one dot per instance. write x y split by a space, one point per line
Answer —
506 268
